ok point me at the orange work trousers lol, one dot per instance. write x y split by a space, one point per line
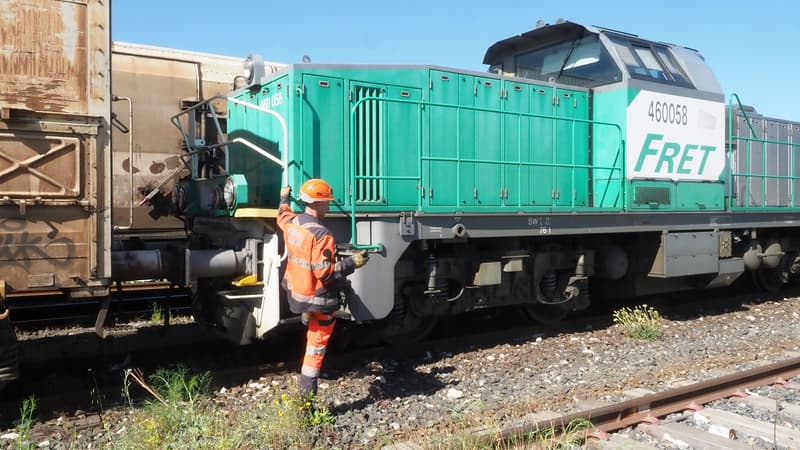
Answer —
320 328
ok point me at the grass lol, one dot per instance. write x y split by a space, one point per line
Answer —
181 410
574 433
157 315
640 322
26 413
489 437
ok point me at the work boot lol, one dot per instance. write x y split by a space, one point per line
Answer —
307 386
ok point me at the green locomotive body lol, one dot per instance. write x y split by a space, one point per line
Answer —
585 156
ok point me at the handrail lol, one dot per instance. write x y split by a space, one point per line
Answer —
117 98
744 113
284 154
422 104
190 145
748 174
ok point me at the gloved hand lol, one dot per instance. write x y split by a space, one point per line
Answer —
286 191
360 258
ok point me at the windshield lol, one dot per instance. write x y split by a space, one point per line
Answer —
579 62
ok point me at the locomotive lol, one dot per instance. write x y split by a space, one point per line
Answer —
586 163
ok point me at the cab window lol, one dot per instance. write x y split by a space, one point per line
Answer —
649 61
580 62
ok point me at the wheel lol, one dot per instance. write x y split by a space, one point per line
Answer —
412 330
543 313
404 325
546 314
770 280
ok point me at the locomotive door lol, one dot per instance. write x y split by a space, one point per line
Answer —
487 143
517 128
465 141
571 148
323 146
441 173
528 140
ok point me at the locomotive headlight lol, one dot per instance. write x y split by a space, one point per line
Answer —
253 69
229 193
248 68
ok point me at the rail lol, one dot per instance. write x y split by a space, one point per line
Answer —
421 105
791 181
631 412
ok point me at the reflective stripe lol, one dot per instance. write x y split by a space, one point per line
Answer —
314 299
306 265
311 350
310 371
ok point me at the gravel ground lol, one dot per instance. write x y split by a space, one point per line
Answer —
395 400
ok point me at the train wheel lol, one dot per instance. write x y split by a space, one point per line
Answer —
546 314
770 280
403 325
411 332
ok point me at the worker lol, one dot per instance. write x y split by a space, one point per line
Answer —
313 276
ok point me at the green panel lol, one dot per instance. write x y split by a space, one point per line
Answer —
263 130
467 130
403 144
517 142
700 196
443 130
488 132
542 138
607 152
572 148
323 132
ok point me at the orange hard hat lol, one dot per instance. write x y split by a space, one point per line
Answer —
316 190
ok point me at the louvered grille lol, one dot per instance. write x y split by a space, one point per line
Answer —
369 145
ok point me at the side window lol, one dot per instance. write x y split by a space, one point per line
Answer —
651 64
649 61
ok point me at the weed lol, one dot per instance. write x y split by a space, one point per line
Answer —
181 411
304 410
26 423
157 315
640 322
549 438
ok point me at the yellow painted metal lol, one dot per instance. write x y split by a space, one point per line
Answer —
257 213
246 281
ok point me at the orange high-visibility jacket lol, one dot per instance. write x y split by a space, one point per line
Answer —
312 272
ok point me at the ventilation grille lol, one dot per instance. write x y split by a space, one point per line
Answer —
369 145
652 196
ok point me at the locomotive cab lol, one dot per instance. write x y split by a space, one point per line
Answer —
593 57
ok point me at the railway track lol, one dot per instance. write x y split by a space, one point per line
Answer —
755 408
74 388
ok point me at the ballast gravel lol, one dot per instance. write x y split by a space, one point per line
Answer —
417 398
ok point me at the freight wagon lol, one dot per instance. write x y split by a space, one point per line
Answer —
84 138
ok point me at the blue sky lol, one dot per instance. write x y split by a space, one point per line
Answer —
751 46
